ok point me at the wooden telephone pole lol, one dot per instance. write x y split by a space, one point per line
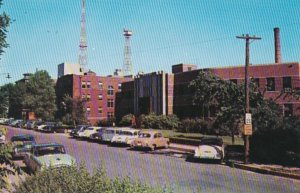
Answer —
248 124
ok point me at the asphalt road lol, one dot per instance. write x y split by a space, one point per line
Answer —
166 167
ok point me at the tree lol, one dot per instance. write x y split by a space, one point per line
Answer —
228 98
41 97
4 24
4 99
72 111
16 96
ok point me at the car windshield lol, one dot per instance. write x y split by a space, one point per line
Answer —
23 138
109 131
126 133
211 142
145 135
49 150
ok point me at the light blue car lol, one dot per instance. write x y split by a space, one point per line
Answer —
44 156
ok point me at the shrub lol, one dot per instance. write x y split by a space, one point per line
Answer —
106 122
280 145
193 126
73 179
126 120
159 122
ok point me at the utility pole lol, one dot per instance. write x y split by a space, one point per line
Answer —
248 121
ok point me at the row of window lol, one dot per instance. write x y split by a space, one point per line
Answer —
110 115
110 102
100 86
270 83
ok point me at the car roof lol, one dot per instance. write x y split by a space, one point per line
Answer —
20 136
48 145
150 131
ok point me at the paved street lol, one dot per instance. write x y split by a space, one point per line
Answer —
165 167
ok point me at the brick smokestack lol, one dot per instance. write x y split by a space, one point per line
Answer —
277 45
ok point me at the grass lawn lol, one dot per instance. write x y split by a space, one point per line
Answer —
198 136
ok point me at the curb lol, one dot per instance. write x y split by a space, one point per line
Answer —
263 171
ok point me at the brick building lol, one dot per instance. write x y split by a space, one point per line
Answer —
99 93
163 93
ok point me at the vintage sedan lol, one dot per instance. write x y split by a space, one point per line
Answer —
22 144
150 139
125 137
44 156
210 148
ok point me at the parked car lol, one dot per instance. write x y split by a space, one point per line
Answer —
78 128
2 138
150 139
211 148
98 135
89 131
125 137
31 124
110 132
44 156
22 144
45 127
16 123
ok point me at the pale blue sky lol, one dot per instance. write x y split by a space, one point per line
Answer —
46 33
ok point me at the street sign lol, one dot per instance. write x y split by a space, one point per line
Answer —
248 119
247 129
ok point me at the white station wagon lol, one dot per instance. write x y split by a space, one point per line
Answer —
125 136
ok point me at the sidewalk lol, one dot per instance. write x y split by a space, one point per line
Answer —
275 170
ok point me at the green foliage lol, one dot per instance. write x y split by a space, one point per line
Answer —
73 179
4 24
106 122
279 144
72 111
159 121
7 166
41 95
193 126
126 120
4 99
228 100
17 94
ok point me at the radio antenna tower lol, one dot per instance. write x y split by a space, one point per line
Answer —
83 40
127 67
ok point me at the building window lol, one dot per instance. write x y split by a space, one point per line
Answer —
83 96
100 110
119 86
88 110
100 97
287 84
256 82
233 80
110 90
110 115
270 84
189 68
100 84
88 97
288 110
88 85
83 84
110 103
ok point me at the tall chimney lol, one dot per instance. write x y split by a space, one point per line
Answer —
277 45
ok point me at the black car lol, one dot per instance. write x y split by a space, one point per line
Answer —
22 144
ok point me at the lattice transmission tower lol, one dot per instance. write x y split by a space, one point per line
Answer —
83 40
127 66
